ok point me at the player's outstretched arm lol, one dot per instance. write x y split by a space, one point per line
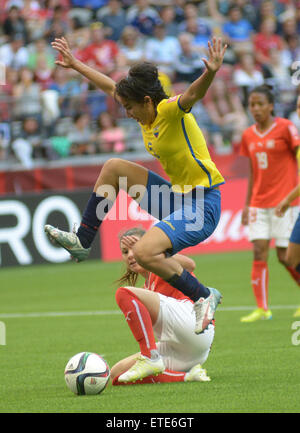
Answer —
198 88
100 80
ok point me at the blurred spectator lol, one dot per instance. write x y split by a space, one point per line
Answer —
131 49
41 60
198 26
30 144
113 17
248 11
237 30
81 136
288 23
211 131
142 16
101 53
277 74
168 17
111 137
40 50
291 52
4 140
187 64
179 5
6 98
43 73
79 39
277 69
268 9
266 40
14 23
95 101
247 75
27 96
35 17
226 110
216 10
68 89
31 7
161 50
56 26
14 54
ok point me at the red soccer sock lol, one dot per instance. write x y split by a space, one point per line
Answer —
260 283
138 319
294 274
166 377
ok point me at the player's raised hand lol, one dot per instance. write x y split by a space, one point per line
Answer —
216 52
130 241
62 46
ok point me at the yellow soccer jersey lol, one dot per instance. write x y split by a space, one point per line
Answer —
176 140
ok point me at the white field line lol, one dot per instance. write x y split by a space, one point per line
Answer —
115 312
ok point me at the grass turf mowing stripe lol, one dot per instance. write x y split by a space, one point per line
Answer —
112 312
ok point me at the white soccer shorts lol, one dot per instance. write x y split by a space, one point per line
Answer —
174 329
264 224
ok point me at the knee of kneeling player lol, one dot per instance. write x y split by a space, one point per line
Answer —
121 293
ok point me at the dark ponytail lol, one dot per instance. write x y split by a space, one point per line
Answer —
142 80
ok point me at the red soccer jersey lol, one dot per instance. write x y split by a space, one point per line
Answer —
265 44
101 54
273 160
157 284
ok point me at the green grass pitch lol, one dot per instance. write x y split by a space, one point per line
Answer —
253 367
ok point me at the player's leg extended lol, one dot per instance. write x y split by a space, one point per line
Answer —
144 370
116 174
149 252
196 374
260 281
141 309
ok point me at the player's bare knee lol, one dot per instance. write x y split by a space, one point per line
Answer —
112 165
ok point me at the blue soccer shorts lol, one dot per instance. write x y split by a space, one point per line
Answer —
295 236
187 219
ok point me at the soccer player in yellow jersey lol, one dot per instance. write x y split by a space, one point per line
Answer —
188 206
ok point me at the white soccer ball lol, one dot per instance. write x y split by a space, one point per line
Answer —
87 373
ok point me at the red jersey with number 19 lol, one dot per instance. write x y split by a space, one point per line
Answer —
273 160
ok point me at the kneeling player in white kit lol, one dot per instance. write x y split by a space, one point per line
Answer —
159 310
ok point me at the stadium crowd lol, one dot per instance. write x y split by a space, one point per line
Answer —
48 113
